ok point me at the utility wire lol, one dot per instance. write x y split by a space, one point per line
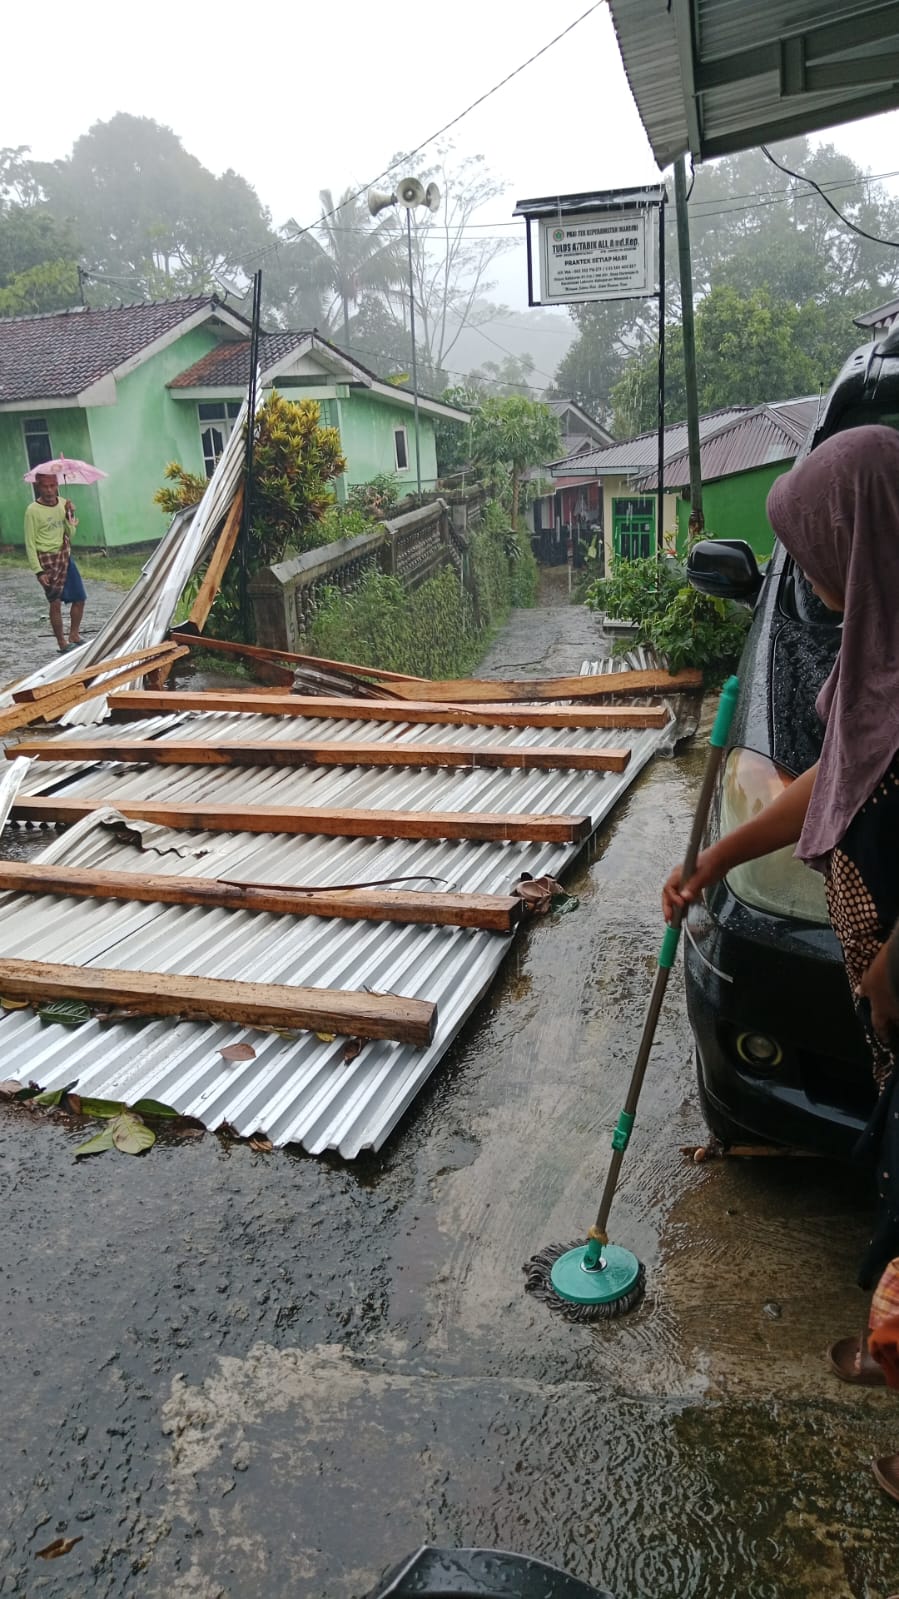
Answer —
801 178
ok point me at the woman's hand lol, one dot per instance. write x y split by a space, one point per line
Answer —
677 895
876 987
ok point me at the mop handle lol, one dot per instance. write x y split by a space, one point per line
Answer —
667 954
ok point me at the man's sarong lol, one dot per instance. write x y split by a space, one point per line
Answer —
55 564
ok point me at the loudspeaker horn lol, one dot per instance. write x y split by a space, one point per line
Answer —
432 197
378 201
410 193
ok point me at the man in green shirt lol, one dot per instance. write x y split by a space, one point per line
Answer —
48 550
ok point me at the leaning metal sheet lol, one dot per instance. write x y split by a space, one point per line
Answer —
295 1090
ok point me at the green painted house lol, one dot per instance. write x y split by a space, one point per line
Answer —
131 388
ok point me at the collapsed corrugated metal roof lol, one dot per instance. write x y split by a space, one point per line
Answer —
295 1089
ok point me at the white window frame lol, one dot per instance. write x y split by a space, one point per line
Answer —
397 433
222 427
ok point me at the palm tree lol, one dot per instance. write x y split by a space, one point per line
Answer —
357 254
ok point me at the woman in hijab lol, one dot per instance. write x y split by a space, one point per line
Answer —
837 514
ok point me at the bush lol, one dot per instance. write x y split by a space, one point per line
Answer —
377 497
687 628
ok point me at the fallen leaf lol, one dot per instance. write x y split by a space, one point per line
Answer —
68 1012
104 1108
130 1135
238 1052
59 1546
96 1145
326 1038
73 1103
52 1096
351 1050
153 1107
261 1144
13 1004
10 1088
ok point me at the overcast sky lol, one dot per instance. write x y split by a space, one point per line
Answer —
323 95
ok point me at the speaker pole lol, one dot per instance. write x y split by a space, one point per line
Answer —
414 363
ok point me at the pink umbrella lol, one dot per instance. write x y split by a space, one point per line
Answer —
67 468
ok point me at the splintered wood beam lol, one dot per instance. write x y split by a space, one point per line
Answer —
484 826
320 1010
255 652
484 691
495 913
143 702
55 705
272 752
215 571
43 691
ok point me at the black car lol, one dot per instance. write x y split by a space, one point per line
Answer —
780 1054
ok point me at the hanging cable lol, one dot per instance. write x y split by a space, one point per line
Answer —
801 178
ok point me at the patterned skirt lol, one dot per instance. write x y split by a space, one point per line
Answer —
55 564
883 1326
862 883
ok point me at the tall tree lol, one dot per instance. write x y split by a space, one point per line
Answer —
38 254
514 433
357 254
149 216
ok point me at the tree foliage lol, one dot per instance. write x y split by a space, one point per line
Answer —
514 434
38 253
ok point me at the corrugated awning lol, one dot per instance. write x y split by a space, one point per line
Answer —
715 76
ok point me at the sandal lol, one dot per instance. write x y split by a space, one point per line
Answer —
850 1361
886 1471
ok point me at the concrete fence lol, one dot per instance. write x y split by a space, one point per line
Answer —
413 547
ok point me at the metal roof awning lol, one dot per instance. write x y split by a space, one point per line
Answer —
715 76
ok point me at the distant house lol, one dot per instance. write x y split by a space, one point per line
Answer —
130 388
878 321
566 506
742 450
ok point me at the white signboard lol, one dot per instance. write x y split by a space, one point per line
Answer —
604 255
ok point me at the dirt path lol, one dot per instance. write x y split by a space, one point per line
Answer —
26 640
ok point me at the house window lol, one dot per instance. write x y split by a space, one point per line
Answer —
217 418
400 449
37 441
633 527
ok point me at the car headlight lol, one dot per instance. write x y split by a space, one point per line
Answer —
775 883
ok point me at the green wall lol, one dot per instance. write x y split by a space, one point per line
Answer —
134 440
366 432
68 436
734 508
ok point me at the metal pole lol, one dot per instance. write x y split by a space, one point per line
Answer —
660 530
414 366
246 514
686 297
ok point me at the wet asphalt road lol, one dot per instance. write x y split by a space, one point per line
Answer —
265 1375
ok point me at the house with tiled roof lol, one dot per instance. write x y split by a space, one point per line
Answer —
130 388
743 448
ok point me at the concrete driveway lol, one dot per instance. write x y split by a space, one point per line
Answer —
265 1375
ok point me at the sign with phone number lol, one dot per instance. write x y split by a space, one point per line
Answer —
606 255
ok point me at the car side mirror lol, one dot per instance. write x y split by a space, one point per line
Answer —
724 568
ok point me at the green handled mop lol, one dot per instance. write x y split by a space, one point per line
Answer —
598 1280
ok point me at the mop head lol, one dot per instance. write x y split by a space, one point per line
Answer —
588 1295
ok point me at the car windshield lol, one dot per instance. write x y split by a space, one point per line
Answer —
799 601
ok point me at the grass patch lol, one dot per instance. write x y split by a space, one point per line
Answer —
121 571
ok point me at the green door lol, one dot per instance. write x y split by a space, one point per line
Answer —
633 527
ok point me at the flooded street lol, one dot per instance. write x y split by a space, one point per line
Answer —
248 1374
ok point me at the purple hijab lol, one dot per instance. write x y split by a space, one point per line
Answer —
837 513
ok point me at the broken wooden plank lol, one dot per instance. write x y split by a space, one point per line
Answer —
141 702
50 709
256 652
497 913
215 571
485 691
275 752
43 691
484 826
321 1010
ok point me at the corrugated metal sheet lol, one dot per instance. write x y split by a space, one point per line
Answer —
294 1091
634 455
665 43
767 435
